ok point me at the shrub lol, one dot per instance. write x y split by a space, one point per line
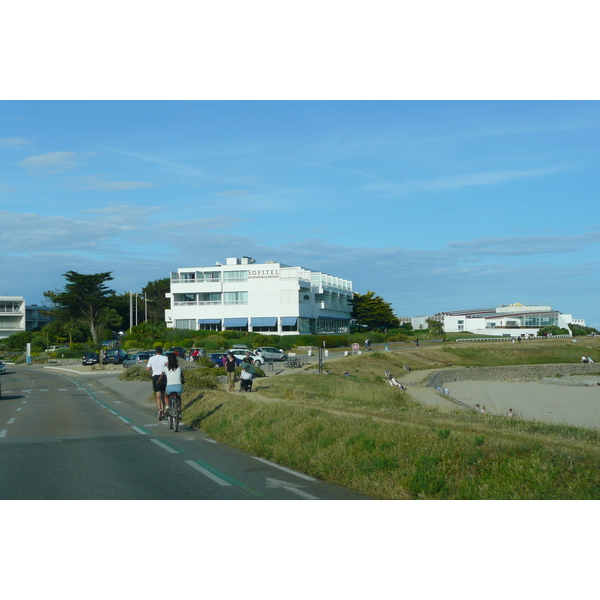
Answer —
202 379
135 373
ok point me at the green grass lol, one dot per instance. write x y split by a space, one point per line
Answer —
361 433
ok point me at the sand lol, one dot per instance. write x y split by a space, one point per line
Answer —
570 399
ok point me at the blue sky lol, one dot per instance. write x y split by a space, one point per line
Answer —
434 205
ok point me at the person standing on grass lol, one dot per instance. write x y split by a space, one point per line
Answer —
156 364
387 348
230 365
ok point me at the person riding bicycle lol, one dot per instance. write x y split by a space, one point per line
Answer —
156 364
175 380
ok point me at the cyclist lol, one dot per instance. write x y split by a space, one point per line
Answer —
156 364
173 375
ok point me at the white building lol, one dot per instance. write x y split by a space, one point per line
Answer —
12 315
268 297
16 316
506 320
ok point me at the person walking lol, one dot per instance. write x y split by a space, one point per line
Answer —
387 348
156 365
230 365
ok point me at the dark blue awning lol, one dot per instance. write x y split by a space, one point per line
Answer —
209 321
264 321
288 321
240 322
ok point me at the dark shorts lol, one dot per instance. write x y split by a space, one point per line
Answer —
159 387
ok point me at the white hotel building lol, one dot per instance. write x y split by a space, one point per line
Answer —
264 297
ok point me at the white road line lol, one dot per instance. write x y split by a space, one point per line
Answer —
3 432
46 390
296 473
211 441
207 473
63 390
20 408
124 420
164 446
11 421
114 412
290 487
24 402
138 430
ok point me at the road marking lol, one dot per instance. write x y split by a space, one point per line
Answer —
63 390
45 390
24 402
211 441
125 420
194 464
20 408
165 446
290 487
219 477
11 421
139 430
3 432
296 473
114 412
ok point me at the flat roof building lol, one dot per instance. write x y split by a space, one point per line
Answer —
267 297
505 320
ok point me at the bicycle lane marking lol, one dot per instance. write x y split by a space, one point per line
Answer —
219 477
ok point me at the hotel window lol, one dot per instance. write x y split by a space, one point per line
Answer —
235 276
208 276
236 297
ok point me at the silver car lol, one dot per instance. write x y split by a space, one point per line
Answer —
268 353
2 368
141 358
241 354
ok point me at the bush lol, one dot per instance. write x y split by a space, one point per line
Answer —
135 373
332 341
202 379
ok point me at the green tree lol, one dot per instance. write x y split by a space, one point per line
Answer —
373 311
435 329
87 300
154 293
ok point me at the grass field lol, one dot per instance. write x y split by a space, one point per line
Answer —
361 433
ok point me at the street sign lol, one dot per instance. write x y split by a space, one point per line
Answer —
355 347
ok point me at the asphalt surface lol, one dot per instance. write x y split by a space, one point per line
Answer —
69 435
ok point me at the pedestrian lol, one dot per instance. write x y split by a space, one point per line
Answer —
387 349
417 342
230 366
156 364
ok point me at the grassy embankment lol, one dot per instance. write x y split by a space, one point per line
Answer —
359 432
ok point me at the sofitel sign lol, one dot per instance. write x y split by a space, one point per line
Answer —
263 273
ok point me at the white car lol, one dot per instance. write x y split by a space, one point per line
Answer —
241 354
268 353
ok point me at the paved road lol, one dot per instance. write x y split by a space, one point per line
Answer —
69 436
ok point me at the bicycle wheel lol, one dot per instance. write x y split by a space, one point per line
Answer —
176 417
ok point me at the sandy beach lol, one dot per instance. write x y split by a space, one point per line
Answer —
573 400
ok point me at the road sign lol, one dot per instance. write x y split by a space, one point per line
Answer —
355 347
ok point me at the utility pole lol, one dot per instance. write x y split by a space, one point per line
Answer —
130 311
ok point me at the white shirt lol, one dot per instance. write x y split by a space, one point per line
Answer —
156 363
173 377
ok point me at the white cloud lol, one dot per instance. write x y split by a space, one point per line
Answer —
528 245
13 142
100 183
51 162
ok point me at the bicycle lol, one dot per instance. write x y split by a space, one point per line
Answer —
172 410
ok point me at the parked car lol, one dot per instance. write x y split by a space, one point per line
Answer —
241 354
179 351
2 368
54 349
269 353
114 356
140 358
217 358
91 358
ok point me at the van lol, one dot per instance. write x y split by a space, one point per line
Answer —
114 356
